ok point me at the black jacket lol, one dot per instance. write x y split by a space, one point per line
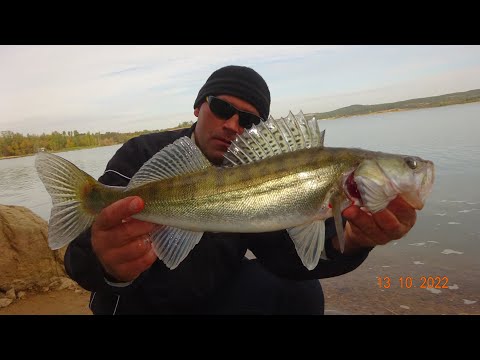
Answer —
210 264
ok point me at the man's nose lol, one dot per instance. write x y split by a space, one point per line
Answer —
234 125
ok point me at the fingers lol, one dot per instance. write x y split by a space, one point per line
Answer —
119 241
352 212
355 237
388 224
114 227
113 214
397 219
131 250
363 228
134 266
405 214
376 229
128 232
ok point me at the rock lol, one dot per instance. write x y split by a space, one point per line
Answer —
21 294
19 284
60 283
4 302
11 294
26 261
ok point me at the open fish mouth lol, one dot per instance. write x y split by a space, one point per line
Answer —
376 194
415 199
351 189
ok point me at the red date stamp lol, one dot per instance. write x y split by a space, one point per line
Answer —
408 282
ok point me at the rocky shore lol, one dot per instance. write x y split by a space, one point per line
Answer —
27 265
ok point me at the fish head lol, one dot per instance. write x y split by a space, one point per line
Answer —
381 178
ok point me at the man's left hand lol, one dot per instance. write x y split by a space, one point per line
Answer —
368 230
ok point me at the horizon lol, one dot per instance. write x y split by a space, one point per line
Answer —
306 114
135 88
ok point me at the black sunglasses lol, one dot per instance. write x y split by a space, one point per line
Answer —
224 110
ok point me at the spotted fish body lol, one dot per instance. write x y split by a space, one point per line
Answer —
277 175
264 196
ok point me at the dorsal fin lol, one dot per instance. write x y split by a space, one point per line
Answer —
180 157
274 137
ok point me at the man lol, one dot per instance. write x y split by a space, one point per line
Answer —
115 261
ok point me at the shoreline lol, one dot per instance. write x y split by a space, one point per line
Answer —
389 111
309 116
56 151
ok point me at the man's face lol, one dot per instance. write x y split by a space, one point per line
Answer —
214 135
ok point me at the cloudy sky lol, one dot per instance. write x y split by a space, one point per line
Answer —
129 88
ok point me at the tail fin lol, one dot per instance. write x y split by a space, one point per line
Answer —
64 182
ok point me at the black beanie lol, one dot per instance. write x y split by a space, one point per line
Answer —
240 81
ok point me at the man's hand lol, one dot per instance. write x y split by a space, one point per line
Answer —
368 230
120 242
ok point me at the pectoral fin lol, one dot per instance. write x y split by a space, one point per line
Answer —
309 240
338 201
172 245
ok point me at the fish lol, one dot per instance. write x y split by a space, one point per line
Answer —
277 175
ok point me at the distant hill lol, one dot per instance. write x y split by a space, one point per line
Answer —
427 102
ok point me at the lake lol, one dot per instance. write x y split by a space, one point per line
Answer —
443 248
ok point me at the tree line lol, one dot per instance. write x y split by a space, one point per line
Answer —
16 144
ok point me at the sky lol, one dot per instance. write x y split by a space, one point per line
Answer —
127 88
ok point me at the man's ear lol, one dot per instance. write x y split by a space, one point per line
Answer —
196 111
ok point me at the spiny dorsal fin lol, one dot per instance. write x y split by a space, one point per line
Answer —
274 137
180 157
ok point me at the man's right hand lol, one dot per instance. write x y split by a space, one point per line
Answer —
120 242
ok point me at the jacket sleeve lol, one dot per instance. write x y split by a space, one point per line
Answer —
277 253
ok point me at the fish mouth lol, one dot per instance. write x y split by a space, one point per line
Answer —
351 188
415 194
417 198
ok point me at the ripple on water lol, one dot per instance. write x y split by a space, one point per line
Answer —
467 210
450 251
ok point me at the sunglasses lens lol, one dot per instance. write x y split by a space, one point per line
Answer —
221 108
225 111
246 120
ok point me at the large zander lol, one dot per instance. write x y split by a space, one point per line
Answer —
277 175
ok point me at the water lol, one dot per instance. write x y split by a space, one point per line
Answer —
20 184
444 243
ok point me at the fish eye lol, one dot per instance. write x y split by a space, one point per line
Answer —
411 162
